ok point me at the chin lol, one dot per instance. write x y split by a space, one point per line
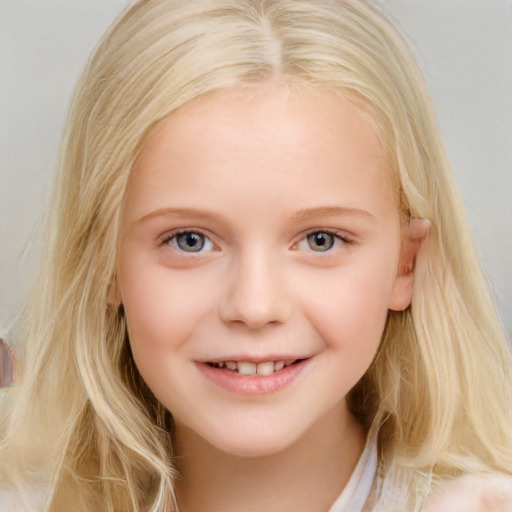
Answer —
253 448
252 442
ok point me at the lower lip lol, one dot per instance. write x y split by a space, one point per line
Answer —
253 384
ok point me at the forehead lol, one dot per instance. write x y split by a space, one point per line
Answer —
249 138
291 113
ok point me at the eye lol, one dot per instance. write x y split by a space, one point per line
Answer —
189 241
320 241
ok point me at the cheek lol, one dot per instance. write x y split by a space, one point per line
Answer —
160 314
161 307
349 309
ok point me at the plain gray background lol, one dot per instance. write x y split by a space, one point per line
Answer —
463 46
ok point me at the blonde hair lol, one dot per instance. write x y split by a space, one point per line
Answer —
440 387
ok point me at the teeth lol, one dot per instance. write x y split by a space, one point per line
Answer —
278 366
265 369
245 368
262 369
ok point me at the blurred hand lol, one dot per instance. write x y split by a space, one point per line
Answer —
492 493
7 365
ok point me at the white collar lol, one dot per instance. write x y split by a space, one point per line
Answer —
357 490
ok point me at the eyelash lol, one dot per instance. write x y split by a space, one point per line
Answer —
168 238
171 240
338 239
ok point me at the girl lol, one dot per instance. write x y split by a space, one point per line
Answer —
258 290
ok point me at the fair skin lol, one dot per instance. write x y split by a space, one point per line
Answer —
261 233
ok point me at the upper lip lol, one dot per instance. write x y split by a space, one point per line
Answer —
255 359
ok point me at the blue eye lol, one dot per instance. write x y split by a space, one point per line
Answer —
190 241
321 241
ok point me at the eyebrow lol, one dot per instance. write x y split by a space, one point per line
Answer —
299 216
324 211
176 212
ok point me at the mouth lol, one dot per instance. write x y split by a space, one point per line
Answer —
253 378
248 368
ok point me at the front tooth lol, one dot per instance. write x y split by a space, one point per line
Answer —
279 365
265 369
220 364
231 365
245 368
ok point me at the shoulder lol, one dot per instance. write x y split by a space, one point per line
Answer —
470 493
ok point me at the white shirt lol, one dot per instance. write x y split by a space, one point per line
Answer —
357 490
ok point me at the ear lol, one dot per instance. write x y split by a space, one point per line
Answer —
113 294
413 236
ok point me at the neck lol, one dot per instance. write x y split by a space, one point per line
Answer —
307 476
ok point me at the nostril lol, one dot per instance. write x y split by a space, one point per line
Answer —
7 365
255 314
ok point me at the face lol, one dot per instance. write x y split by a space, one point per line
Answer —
259 256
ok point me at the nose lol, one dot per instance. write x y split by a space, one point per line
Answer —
256 295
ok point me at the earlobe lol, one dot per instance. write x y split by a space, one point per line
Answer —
413 237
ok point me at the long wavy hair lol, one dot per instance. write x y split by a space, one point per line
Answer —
81 424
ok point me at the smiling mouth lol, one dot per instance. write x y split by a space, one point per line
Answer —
247 368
